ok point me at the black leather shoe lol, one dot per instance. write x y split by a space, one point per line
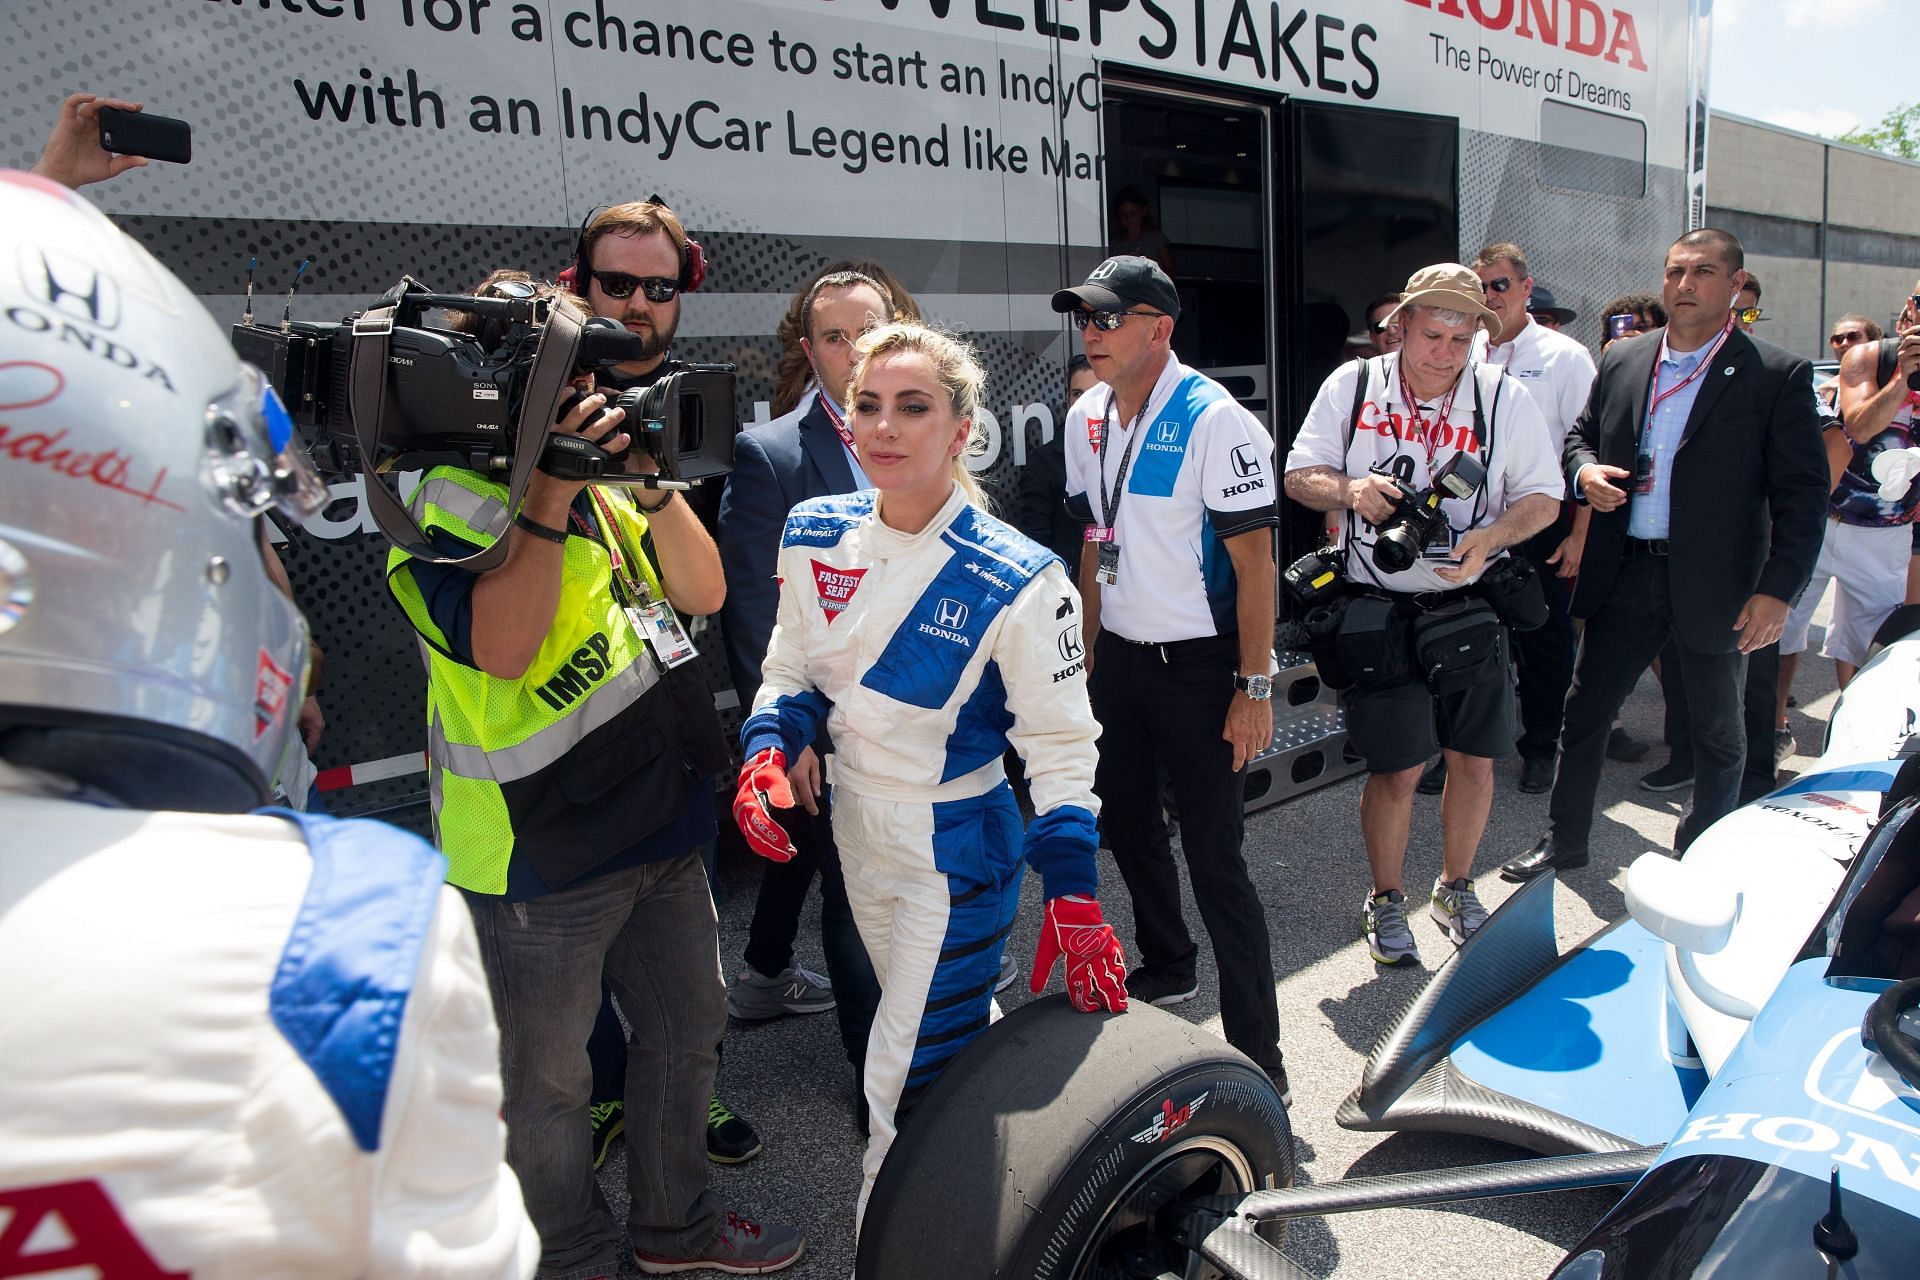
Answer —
1624 747
1543 857
1434 780
1536 775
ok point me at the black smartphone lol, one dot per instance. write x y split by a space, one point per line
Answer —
1913 379
1620 325
139 133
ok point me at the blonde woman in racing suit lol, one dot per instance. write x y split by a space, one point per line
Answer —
930 636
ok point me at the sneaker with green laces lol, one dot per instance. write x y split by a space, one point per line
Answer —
1456 908
1383 922
608 1120
730 1140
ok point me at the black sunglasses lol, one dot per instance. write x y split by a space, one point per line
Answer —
1107 321
1499 284
618 284
1848 338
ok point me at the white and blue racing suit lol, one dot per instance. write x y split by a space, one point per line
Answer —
928 654
239 1046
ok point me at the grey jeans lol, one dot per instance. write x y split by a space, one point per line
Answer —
652 931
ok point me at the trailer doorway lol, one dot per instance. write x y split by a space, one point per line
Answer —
1190 182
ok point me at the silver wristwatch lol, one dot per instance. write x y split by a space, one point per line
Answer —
1259 688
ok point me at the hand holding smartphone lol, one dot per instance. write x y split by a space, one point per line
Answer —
135 133
1620 325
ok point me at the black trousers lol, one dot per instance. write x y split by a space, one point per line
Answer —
1620 639
1161 709
1544 656
1757 715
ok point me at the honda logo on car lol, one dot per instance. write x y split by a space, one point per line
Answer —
1869 1119
949 615
1170 1120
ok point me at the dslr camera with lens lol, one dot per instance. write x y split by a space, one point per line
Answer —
1417 515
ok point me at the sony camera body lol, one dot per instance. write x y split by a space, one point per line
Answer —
455 396
1417 515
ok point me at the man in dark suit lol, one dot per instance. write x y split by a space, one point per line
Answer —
1699 452
804 454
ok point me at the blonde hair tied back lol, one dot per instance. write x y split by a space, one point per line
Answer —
957 370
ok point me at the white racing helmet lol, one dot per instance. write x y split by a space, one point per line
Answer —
143 649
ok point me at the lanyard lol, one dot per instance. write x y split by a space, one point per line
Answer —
1657 397
1110 501
834 416
1427 435
635 587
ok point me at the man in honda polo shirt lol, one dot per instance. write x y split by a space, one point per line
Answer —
1177 574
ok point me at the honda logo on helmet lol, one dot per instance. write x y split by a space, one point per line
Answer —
71 287
950 613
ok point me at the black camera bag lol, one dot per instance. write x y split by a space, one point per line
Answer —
1322 627
1454 644
1512 586
1372 642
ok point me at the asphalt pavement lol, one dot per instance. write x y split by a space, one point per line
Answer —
790 1079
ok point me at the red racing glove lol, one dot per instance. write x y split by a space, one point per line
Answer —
763 779
1096 970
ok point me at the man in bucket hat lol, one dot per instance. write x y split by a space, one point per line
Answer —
1379 430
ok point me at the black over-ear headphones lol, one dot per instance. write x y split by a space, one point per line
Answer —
693 259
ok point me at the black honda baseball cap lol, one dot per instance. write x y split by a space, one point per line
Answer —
1119 283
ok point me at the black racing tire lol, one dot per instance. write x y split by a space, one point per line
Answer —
1044 1151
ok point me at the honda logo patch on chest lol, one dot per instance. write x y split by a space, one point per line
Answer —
950 613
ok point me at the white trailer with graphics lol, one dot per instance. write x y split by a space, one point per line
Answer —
1300 158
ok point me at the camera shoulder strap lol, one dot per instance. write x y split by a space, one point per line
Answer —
1365 368
1484 422
367 386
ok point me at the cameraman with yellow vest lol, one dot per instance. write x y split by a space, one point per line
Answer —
570 759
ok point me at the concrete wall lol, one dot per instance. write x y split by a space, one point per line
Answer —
1860 230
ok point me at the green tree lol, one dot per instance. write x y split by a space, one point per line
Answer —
1897 134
